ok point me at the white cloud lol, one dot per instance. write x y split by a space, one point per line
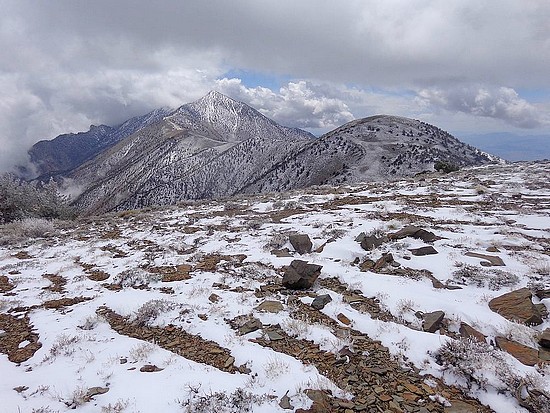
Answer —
500 103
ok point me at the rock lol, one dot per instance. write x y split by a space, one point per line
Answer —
250 326
282 253
432 321
214 298
526 355
384 260
415 232
284 403
458 406
320 301
492 249
517 306
544 355
493 259
94 391
542 293
150 368
372 242
428 250
467 331
270 307
343 319
274 336
301 243
229 362
544 339
366 265
300 275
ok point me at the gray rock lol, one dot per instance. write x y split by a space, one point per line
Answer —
300 275
415 232
284 403
250 326
370 243
493 259
428 250
432 321
320 301
301 243
543 293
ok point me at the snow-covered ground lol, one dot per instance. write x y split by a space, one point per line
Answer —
228 257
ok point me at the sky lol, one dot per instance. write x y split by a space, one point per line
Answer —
470 67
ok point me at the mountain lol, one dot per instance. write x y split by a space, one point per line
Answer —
217 147
66 152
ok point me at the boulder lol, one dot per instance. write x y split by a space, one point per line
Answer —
468 332
517 306
492 259
415 232
300 275
432 321
526 355
301 243
250 326
428 250
320 301
372 242
366 265
384 260
544 339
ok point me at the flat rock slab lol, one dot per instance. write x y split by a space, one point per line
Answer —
468 332
300 275
493 259
517 306
428 250
250 326
320 301
415 232
301 242
270 306
526 355
432 321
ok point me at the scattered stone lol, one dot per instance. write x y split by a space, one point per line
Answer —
366 265
20 389
214 298
300 275
492 249
458 406
301 242
517 306
492 259
123 360
281 253
250 326
320 301
428 250
415 232
284 403
544 355
229 362
269 306
22 255
526 355
542 293
432 321
468 332
5 284
273 335
544 339
202 316
372 242
150 368
94 391
343 319
384 260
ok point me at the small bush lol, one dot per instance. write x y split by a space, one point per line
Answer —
136 277
17 231
493 279
237 401
151 310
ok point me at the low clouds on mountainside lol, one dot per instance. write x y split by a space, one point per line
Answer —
462 65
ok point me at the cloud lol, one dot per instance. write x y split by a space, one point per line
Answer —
499 103
298 104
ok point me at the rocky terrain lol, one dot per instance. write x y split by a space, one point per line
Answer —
218 147
426 294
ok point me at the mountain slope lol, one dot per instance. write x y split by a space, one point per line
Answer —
68 151
216 147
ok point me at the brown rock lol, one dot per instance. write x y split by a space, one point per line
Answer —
343 319
269 306
384 260
493 259
301 242
214 298
150 368
467 331
517 306
458 406
428 250
370 243
94 391
415 232
526 355
366 265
